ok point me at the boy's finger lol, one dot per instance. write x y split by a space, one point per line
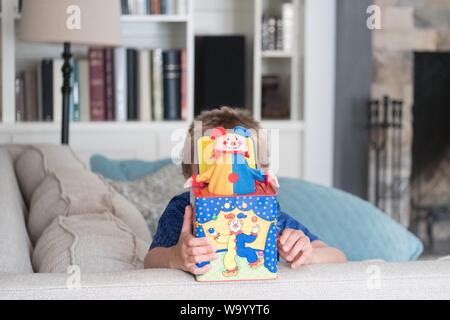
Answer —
202 270
197 251
296 249
187 220
198 242
203 258
301 259
290 241
285 235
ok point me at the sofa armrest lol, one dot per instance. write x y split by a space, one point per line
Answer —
357 280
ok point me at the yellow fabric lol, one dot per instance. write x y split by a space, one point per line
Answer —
217 176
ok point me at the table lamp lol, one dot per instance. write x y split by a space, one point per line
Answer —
82 22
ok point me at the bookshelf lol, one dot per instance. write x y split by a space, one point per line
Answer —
203 17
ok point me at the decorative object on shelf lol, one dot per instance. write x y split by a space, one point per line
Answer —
70 22
277 32
273 106
386 183
237 210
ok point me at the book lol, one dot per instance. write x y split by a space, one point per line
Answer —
155 6
181 7
57 87
272 30
239 216
158 98
97 84
124 7
110 105
172 84
288 26
31 96
144 86
184 102
168 6
132 85
47 89
19 88
84 94
75 99
39 89
279 34
120 78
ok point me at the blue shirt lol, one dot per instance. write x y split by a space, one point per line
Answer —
171 221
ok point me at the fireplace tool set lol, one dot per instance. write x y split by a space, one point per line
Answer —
385 154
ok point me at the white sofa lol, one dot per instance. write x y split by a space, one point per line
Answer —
41 268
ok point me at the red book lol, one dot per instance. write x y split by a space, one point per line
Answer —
109 84
97 84
184 84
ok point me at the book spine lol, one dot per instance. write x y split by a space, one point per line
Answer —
85 110
76 92
47 90
109 84
288 26
158 99
156 7
120 67
31 97
279 34
144 86
132 88
97 84
57 93
272 29
124 7
172 84
181 7
184 102
20 97
39 90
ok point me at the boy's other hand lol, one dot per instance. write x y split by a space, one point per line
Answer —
295 247
190 250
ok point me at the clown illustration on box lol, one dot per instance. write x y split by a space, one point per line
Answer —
235 207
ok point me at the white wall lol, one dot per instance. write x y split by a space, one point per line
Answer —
319 96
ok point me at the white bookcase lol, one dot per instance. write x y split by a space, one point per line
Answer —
153 140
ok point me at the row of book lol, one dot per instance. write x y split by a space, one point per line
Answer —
110 85
147 7
277 32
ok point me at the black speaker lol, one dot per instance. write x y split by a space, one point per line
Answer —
219 72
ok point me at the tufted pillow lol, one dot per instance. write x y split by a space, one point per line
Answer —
37 161
152 193
93 242
74 192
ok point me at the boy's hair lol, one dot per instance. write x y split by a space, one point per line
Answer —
225 117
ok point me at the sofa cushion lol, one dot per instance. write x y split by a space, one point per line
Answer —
37 161
342 220
74 192
152 193
125 170
15 246
93 242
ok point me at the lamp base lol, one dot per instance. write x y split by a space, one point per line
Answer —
66 92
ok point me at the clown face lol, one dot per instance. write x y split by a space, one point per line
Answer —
235 225
231 142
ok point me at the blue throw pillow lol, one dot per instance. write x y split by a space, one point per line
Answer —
347 222
125 170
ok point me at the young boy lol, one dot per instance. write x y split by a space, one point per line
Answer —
174 246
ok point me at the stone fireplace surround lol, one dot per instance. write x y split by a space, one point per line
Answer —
408 26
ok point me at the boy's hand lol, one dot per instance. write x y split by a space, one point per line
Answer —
190 250
295 247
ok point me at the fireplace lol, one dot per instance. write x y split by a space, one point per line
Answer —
430 175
